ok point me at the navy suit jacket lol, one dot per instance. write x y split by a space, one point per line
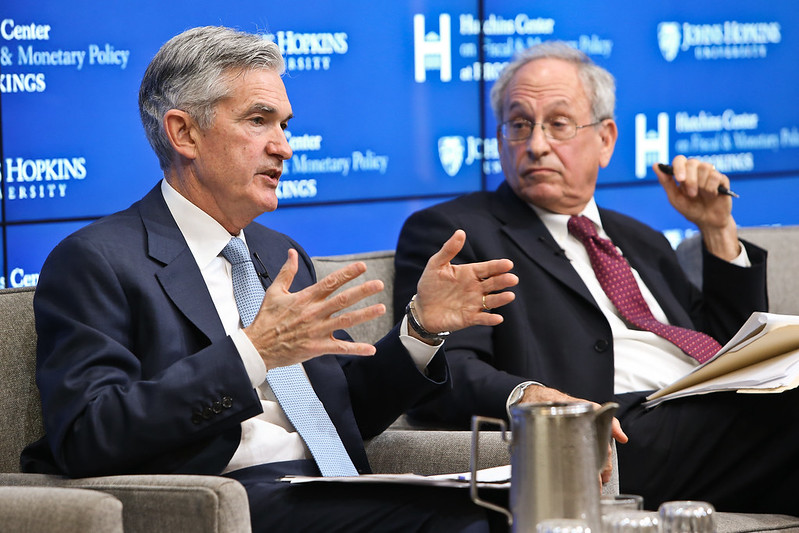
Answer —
137 375
554 332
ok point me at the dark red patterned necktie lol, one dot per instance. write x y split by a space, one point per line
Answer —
617 280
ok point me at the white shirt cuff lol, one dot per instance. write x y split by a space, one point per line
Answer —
421 352
517 393
743 258
253 363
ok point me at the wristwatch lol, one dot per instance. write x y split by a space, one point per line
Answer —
517 394
413 321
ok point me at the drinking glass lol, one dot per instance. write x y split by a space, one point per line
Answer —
687 517
562 525
621 502
630 521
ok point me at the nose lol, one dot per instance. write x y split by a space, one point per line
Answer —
538 144
279 146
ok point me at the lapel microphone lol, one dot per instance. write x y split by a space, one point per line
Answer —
262 272
560 252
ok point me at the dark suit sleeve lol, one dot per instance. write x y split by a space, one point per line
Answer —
126 387
478 387
731 293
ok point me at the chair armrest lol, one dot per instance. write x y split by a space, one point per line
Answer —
433 452
163 503
59 509
441 452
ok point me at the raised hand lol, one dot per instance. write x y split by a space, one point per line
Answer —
693 191
452 297
294 327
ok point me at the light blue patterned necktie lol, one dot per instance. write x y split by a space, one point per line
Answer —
289 383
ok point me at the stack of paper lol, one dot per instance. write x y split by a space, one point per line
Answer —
763 357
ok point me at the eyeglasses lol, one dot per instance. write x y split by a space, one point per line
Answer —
555 129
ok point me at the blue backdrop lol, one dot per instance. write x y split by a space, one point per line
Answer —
391 105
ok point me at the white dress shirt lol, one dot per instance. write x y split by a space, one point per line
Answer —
270 436
643 360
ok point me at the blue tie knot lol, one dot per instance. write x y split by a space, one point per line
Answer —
236 251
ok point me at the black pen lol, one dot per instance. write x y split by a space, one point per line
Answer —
668 169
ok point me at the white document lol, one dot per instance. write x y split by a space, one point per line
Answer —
762 357
497 477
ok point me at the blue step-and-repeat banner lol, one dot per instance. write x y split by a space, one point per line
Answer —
391 107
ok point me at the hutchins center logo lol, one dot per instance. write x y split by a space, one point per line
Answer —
724 40
27 179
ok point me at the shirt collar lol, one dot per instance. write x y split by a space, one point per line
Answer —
205 236
556 223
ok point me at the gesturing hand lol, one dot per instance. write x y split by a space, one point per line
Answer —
452 297
294 327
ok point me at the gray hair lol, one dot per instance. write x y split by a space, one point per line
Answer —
598 83
191 73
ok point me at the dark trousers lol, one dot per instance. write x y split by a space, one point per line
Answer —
329 507
739 452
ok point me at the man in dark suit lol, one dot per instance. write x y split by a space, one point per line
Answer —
564 336
145 364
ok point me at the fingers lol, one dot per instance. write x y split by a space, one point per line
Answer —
498 282
489 269
341 347
607 470
666 180
354 317
349 297
493 301
694 177
617 433
333 281
483 318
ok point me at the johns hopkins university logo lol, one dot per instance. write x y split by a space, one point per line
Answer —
669 39
450 152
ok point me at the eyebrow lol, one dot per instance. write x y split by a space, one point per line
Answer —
267 110
556 105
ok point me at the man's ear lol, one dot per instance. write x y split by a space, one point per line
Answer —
608 133
181 130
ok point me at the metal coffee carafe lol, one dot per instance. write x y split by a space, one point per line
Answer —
557 451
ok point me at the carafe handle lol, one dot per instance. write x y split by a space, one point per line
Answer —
603 418
477 421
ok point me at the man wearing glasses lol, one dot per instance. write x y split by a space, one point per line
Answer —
603 311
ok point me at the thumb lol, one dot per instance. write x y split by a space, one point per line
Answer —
449 249
285 277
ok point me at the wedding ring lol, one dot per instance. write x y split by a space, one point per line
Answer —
485 307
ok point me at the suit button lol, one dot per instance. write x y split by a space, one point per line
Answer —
216 407
196 418
601 345
227 402
207 413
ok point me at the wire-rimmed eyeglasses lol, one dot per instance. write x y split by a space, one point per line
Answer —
556 128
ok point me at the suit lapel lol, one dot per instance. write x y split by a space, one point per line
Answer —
180 277
522 226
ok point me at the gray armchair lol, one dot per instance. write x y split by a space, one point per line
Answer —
140 503
167 503
34 509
